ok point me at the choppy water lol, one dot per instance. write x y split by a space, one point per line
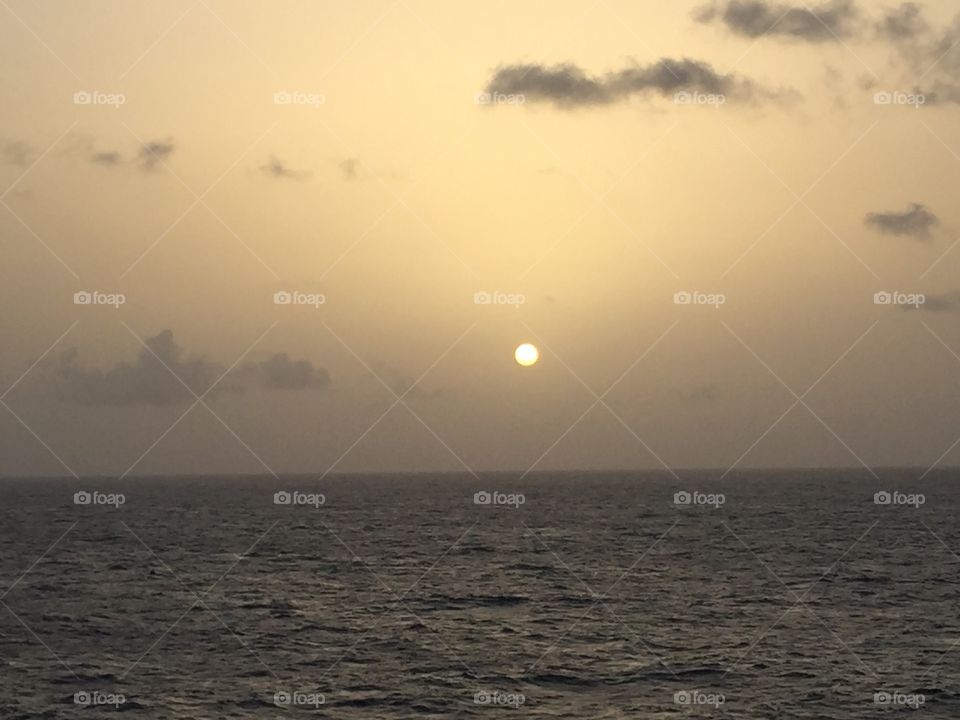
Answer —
399 597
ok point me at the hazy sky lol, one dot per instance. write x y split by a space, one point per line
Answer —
591 159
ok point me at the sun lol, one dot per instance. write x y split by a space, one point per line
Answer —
526 354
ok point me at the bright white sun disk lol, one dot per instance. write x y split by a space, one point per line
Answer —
526 354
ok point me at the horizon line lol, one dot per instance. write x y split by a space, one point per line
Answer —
469 473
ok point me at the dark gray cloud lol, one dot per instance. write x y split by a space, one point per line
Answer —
567 85
154 152
925 53
149 379
274 167
561 84
916 222
811 23
16 152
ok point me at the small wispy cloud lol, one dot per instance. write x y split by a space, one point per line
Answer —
154 153
16 152
915 222
948 302
108 158
276 168
350 168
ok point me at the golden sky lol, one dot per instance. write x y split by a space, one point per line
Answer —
583 162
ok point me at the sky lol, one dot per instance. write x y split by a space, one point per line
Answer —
729 228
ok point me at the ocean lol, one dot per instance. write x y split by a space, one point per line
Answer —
780 594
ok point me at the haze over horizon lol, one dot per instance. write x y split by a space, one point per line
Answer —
689 209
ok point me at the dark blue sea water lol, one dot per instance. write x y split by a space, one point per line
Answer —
596 595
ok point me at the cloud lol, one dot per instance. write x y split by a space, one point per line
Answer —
948 302
279 372
275 168
155 152
146 381
930 54
84 146
755 18
568 86
936 55
916 222
903 22
925 52
150 379
108 158
16 152
350 168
